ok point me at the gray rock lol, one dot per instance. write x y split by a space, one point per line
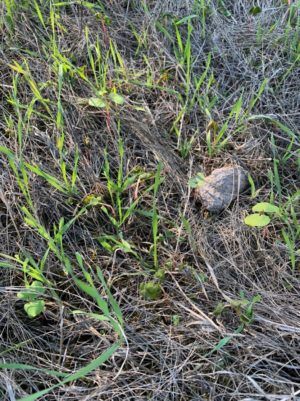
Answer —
222 187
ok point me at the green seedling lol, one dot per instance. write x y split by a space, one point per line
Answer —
121 211
34 305
243 307
36 88
223 9
265 212
151 290
175 320
103 100
114 243
217 134
10 6
202 8
160 275
261 216
105 305
194 88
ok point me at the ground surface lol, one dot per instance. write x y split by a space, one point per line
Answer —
107 109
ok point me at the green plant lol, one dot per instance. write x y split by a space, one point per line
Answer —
175 320
24 113
244 309
34 305
217 135
286 215
198 90
155 216
102 100
260 217
112 243
151 290
118 187
186 146
194 88
21 171
202 8
10 6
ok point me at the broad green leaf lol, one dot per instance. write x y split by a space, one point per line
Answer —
35 308
238 303
257 220
97 102
30 293
265 207
26 295
37 287
116 98
197 181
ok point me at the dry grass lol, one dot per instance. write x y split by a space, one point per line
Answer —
169 352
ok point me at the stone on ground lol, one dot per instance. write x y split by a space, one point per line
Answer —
222 187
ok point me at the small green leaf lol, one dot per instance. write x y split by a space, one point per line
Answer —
175 320
219 309
150 290
252 185
256 298
160 275
255 10
238 303
257 220
35 308
92 200
116 98
97 102
197 181
265 207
